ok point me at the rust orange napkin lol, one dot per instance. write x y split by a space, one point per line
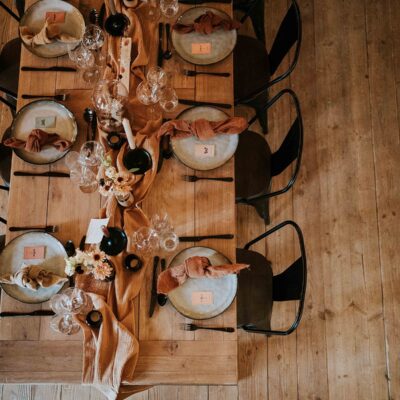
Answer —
37 139
207 23
202 128
194 267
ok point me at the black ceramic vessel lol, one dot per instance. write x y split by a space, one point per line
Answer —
115 242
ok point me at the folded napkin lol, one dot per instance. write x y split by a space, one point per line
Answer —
33 277
207 23
51 32
194 267
37 139
202 128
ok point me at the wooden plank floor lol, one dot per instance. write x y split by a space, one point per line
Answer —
347 201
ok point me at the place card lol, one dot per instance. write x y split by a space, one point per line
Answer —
201 48
34 252
95 233
45 122
204 150
202 298
55 16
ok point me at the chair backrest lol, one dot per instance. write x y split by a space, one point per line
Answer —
20 7
290 284
289 33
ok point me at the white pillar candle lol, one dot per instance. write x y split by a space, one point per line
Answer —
129 134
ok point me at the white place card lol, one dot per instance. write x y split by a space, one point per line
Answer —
201 48
95 233
204 298
45 122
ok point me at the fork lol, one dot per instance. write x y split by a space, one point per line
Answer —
59 97
193 327
190 72
47 228
194 178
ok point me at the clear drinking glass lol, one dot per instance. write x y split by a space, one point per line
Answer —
93 38
168 241
91 154
157 77
145 240
153 11
85 60
168 99
71 301
160 222
64 323
148 96
169 8
85 178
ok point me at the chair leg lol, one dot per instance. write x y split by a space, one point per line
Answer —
262 117
257 18
262 208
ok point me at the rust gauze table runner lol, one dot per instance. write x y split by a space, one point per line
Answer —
111 353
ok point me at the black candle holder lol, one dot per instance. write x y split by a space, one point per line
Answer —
94 319
133 263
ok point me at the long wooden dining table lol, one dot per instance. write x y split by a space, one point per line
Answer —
30 352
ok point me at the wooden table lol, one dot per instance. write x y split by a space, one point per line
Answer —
30 350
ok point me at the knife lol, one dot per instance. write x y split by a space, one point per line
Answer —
160 44
153 299
199 238
204 103
26 314
203 1
162 298
49 173
54 68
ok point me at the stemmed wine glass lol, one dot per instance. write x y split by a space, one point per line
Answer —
148 95
84 60
169 8
93 39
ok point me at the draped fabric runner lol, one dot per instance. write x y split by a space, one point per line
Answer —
194 267
202 128
50 32
207 23
111 353
37 139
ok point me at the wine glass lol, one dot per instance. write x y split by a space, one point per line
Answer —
153 11
85 61
145 240
85 178
71 301
168 241
160 222
64 323
91 154
109 98
157 77
93 39
168 99
148 95
169 8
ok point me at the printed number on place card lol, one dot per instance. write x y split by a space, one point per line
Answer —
204 150
205 298
34 252
201 48
55 16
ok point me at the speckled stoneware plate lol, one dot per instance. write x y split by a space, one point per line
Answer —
12 258
25 121
35 17
222 42
224 146
222 291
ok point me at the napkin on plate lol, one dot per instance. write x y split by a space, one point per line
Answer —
51 32
194 267
202 128
207 23
33 277
37 139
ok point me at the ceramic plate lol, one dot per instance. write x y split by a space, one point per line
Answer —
223 290
224 146
74 24
12 258
24 123
222 42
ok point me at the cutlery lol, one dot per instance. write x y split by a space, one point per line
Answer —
204 1
190 72
194 178
168 53
47 228
93 16
59 97
54 68
153 299
160 44
193 327
25 314
53 174
162 298
204 103
89 116
200 238
102 13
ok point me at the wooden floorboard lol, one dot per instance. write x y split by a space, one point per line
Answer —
347 201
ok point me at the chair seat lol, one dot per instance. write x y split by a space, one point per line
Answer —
9 65
5 159
251 66
252 165
254 295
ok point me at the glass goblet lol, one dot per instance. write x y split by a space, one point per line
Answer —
168 99
160 222
85 61
148 96
64 323
91 154
85 178
169 8
93 38
157 77
145 240
168 241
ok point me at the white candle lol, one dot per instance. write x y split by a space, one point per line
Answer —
129 134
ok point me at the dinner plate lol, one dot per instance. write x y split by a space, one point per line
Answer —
25 121
35 18
219 291
222 42
223 145
12 258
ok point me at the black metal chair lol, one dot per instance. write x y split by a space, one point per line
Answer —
255 10
255 166
254 65
258 289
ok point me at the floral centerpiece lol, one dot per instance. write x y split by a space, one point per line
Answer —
93 262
